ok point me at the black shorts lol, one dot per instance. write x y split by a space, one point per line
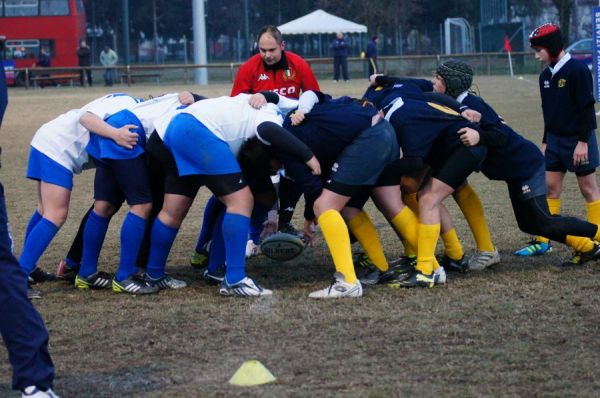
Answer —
461 162
161 158
117 180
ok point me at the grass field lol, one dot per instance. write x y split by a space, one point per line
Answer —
524 328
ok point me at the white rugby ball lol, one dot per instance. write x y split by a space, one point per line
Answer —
282 246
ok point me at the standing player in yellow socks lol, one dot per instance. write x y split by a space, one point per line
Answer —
569 142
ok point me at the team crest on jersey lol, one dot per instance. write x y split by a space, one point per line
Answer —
525 189
289 74
263 76
546 84
562 83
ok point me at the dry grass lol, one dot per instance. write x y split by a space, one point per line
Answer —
523 329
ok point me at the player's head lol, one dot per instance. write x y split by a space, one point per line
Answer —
547 42
339 35
270 44
452 77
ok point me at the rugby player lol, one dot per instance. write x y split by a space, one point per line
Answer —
569 142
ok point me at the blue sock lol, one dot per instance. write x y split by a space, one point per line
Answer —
259 215
35 218
161 241
235 234
72 263
217 247
94 233
212 211
132 234
36 243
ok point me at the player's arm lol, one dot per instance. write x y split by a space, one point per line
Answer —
122 136
470 114
3 95
285 142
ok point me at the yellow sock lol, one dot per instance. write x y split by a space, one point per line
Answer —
452 246
337 238
471 207
363 229
410 200
406 224
580 244
428 237
554 206
593 212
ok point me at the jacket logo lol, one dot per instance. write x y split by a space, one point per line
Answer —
525 189
562 83
289 74
546 84
263 76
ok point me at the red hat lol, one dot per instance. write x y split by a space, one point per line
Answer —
548 37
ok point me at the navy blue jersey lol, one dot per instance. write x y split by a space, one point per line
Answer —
568 100
328 128
518 159
382 95
421 124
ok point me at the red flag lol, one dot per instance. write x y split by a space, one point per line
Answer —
507 47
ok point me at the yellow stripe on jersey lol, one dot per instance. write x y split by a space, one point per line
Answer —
443 108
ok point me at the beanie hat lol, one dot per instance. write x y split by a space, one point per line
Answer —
548 37
457 75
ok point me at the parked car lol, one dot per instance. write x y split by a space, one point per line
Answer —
582 50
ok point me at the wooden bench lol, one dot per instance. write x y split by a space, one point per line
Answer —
55 78
136 76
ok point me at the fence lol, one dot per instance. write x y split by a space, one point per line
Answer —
413 65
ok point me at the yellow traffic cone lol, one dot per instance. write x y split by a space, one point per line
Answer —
251 373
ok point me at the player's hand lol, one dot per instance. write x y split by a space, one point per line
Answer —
314 165
373 77
310 232
297 117
580 155
186 98
543 149
469 136
471 115
257 101
125 138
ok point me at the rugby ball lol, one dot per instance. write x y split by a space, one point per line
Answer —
282 246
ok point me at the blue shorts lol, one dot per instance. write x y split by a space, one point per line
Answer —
531 187
358 166
196 150
559 154
120 179
40 167
105 148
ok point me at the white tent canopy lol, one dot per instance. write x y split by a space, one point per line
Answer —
320 21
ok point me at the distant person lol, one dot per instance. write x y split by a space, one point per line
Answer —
371 55
21 326
108 59
84 54
340 57
43 61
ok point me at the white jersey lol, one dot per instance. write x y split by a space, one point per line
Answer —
148 112
64 139
232 119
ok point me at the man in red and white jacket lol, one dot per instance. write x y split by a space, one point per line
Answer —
274 69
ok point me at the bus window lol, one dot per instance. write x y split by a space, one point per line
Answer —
54 7
20 8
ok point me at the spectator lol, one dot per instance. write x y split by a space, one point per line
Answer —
340 57
22 328
371 55
84 54
44 59
108 59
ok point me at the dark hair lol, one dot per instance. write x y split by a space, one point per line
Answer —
272 30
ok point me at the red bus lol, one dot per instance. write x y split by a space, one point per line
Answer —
30 25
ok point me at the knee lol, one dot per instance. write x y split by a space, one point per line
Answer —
142 210
589 189
428 202
320 207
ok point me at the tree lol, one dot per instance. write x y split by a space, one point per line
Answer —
565 9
